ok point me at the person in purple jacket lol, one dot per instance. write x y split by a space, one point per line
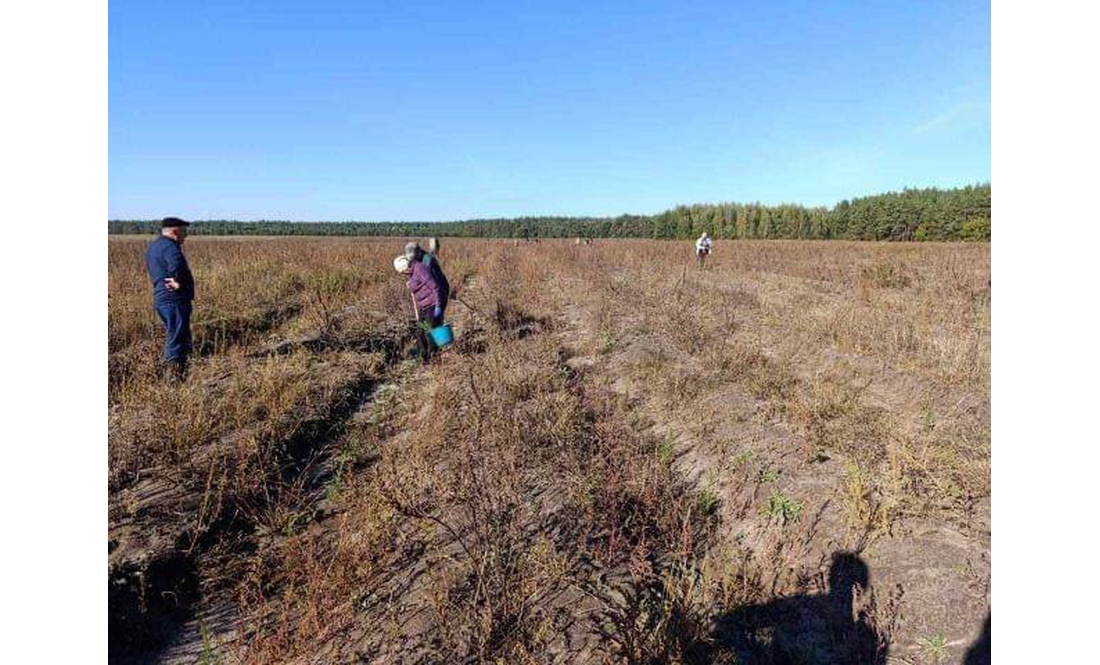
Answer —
428 297
413 252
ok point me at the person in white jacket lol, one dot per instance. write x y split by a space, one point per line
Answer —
703 248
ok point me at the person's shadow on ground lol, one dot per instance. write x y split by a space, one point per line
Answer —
808 628
980 652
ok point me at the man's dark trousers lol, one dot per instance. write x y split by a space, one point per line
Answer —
176 317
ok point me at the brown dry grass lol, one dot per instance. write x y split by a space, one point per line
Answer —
520 500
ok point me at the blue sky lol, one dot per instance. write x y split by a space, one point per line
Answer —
449 110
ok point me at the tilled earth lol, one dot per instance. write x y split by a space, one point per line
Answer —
641 464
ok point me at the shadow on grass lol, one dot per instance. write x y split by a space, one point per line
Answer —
810 628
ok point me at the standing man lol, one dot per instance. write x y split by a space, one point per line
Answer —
173 291
702 249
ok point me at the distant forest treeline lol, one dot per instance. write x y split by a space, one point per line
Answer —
912 214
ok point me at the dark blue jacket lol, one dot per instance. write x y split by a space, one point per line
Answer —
164 258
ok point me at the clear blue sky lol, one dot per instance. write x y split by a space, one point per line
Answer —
449 110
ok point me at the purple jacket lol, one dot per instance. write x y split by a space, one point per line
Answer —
423 286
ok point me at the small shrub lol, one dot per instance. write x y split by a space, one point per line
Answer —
782 506
935 647
708 502
665 449
742 458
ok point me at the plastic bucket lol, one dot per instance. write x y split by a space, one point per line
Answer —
443 335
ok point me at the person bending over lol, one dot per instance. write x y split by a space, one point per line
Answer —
428 301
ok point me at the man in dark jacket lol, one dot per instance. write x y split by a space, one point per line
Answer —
173 291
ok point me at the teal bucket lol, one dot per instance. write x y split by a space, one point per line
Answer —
443 335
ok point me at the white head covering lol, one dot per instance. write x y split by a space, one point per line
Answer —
401 263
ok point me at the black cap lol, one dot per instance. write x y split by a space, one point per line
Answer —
171 222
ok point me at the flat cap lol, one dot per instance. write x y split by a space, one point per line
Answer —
170 222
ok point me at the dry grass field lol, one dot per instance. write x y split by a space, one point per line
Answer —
783 458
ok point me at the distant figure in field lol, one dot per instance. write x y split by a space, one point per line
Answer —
703 247
173 291
429 293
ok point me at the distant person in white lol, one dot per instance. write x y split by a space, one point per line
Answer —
702 249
